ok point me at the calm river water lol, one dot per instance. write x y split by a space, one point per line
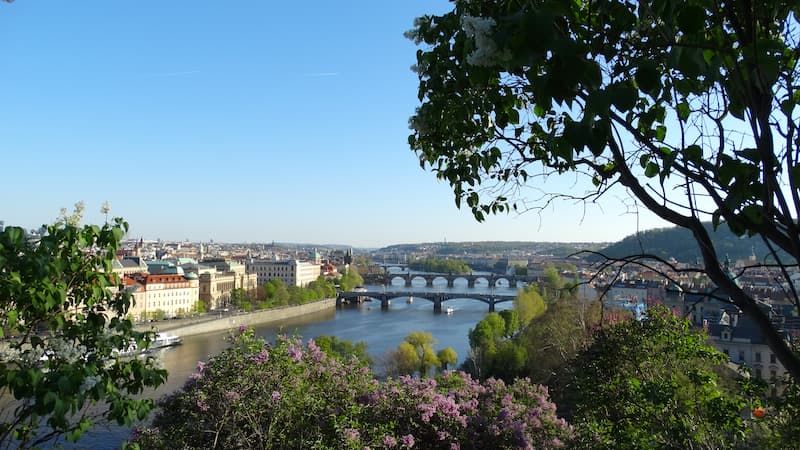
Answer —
380 329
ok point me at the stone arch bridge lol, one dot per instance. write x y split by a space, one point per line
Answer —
492 280
437 298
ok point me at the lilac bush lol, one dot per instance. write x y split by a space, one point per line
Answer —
291 395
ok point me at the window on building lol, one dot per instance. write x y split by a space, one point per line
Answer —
772 358
758 356
741 355
758 373
773 374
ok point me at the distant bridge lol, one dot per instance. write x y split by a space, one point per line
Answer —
437 298
492 279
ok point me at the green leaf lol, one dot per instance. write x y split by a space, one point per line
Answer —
787 106
648 78
624 97
693 153
651 170
661 133
683 111
12 316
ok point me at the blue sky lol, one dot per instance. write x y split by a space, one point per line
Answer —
245 121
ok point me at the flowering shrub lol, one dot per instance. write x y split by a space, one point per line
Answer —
290 395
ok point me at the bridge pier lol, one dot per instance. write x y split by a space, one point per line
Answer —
385 302
338 301
437 305
408 280
471 282
491 305
450 281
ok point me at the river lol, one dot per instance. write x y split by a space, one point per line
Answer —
382 330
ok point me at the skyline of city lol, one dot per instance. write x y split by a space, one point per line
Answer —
242 123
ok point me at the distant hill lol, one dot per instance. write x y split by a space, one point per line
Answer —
679 243
456 249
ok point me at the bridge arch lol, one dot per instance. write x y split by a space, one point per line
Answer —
437 298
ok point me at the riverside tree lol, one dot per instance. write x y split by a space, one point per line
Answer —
63 320
689 106
652 384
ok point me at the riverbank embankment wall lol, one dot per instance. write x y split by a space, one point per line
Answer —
211 323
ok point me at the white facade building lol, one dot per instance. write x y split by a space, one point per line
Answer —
292 272
173 295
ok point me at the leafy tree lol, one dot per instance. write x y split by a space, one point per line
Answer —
422 342
343 349
241 300
447 357
350 279
552 280
508 361
66 312
529 304
406 359
322 288
436 265
487 332
296 296
512 322
554 340
492 353
652 384
778 426
689 106
277 292
200 307
158 314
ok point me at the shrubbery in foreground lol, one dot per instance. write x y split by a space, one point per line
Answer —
290 395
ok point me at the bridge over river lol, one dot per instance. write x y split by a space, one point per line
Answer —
492 280
437 298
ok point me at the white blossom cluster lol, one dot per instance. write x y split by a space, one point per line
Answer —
90 382
414 33
155 363
27 357
416 123
67 351
8 353
486 52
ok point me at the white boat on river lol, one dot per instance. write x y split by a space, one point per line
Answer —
165 340
162 340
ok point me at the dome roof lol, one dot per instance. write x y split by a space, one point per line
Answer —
191 276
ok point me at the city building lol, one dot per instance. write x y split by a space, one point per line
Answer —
162 296
129 265
218 278
738 336
292 272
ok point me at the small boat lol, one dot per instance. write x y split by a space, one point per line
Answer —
165 340
410 300
450 310
161 340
